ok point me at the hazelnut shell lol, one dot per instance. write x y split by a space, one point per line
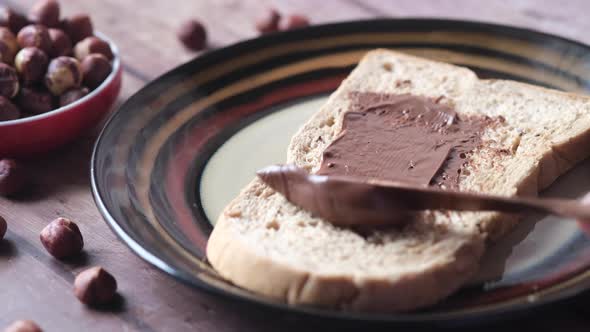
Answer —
8 111
64 73
8 45
269 22
95 69
45 12
3 227
72 95
78 27
9 85
62 238
12 20
34 100
31 64
294 21
60 43
92 45
193 35
95 286
34 36
23 326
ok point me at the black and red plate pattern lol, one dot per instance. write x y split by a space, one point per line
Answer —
149 161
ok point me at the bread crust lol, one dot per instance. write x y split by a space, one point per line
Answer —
238 263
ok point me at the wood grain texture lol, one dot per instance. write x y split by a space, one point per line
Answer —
35 286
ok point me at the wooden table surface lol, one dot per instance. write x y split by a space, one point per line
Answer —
35 286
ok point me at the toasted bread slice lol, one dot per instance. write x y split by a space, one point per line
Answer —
265 244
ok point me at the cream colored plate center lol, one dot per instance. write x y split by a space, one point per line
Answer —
260 144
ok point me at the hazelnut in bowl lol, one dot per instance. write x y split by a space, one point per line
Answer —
49 97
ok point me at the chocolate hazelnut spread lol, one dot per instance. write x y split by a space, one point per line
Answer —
403 138
408 140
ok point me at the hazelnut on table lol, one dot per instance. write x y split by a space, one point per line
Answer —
64 73
34 35
8 45
8 111
23 326
269 22
12 177
45 12
193 35
95 286
31 64
294 21
3 227
62 238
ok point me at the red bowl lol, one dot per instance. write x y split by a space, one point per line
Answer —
39 134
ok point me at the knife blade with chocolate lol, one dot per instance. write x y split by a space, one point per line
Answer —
349 201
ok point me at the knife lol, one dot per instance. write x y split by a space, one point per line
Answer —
351 201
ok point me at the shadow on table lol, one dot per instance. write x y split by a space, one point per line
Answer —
117 305
7 248
59 171
81 259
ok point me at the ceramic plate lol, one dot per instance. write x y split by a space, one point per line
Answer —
175 153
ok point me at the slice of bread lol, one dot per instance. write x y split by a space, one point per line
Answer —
265 244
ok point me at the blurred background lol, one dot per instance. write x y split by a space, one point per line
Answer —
144 29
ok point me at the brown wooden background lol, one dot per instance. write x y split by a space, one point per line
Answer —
34 286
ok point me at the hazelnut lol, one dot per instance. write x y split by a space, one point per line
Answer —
45 12
23 326
78 27
34 36
92 45
72 95
8 81
60 43
12 20
269 22
294 21
95 69
193 35
63 74
95 286
3 227
62 238
8 45
34 100
7 110
12 177
31 64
